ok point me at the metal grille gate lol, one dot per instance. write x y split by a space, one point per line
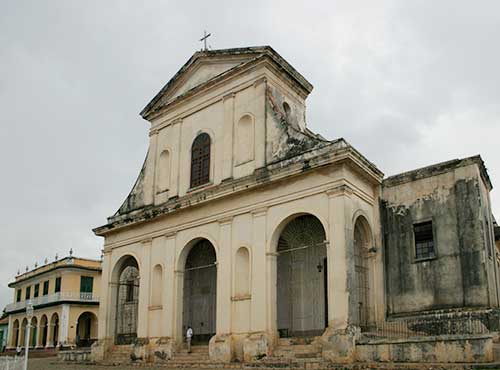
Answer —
127 306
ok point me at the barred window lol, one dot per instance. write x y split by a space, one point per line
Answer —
28 293
45 287
36 291
424 240
18 298
200 160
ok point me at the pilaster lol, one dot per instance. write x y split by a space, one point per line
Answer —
169 287
144 285
260 302
340 209
224 277
260 122
227 162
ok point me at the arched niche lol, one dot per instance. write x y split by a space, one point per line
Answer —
157 287
245 139
242 272
164 169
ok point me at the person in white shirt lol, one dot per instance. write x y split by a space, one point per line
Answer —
189 335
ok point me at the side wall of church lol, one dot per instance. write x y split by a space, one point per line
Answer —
463 272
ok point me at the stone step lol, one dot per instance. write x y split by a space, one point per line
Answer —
496 352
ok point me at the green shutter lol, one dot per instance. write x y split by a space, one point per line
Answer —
86 284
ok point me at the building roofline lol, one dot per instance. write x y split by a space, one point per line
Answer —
39 271
257 51
438 169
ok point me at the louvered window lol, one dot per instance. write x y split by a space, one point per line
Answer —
200 160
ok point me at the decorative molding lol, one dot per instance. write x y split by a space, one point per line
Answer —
171 235
244 297
231 95
259 212
260 81
148 240
340 190
225 221
153 132
272 254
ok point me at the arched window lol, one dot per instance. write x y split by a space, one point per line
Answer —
200 160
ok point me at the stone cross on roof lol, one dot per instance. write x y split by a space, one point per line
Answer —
204 39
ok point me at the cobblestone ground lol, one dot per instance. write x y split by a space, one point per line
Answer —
52 364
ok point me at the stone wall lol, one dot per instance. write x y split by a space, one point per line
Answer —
463 271
439 349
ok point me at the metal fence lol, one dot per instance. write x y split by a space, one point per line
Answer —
428 326
11 363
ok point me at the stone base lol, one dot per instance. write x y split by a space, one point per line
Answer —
220 348
256 347
162 349
339 346
99 349
141 351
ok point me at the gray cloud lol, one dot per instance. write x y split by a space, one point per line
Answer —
408 84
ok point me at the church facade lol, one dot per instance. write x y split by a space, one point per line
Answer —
248 227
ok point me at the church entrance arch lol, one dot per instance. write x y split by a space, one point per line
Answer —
302 278
200 291
127 301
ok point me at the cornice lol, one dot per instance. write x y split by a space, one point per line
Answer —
274 172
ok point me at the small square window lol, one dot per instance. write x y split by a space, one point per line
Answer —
424 240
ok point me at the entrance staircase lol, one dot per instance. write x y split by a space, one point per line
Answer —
119 355
296 353
198 355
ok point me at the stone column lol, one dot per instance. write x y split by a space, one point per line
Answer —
39 334
144 285
10 334
339 340
227 163
50 336
64 325
221 347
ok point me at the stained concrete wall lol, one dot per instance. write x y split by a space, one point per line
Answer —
451 349
455 197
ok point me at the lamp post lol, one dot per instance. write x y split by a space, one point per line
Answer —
29 314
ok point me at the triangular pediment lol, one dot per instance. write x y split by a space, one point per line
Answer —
205 66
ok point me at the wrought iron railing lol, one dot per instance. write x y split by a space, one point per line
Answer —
52 298
435 325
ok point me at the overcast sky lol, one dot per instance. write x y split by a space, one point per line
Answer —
407 83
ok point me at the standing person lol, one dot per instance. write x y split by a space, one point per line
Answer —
189 335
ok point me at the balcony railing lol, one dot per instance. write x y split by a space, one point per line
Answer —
54 298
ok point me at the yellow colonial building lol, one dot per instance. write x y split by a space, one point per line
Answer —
65 297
